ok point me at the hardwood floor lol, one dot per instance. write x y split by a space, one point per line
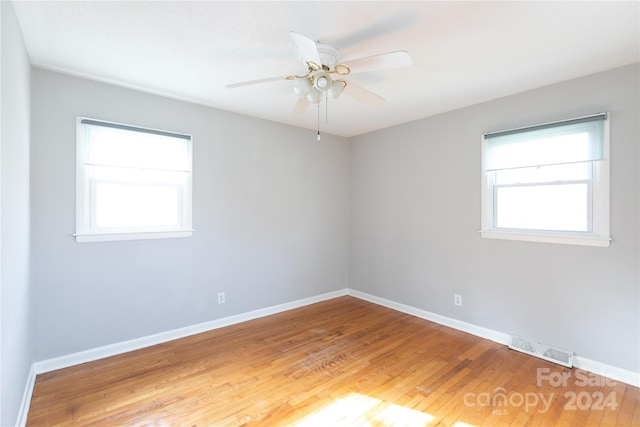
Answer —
343 362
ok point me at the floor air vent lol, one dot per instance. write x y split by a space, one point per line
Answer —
543 351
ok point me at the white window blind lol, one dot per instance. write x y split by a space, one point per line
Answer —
573 141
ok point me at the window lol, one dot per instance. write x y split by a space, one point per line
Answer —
132 183
548 183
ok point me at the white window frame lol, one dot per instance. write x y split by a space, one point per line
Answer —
86 230
598 194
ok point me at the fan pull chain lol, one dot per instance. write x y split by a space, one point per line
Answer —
326 111
318 121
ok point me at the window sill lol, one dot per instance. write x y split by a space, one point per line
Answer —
110 237
603 242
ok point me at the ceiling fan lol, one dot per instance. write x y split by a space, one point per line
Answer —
326 73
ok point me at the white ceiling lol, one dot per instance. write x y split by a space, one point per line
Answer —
463 52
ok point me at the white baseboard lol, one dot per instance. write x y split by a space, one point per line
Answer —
613 372
138 343
490 334
23 413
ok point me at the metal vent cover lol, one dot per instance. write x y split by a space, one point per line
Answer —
543 351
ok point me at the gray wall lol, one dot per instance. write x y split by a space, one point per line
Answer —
15 326
415 216
270 214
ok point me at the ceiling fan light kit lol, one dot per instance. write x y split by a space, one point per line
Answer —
321 61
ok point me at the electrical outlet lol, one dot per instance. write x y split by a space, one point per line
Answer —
221 298
457 300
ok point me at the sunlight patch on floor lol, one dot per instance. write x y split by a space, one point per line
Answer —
360 410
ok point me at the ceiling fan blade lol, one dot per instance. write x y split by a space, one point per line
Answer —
307 48
301 106
384 61
363 95
255 82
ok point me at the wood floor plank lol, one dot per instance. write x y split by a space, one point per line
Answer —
343 362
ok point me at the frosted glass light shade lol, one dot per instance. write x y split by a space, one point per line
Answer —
322 81
301 87
313 96
336 89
